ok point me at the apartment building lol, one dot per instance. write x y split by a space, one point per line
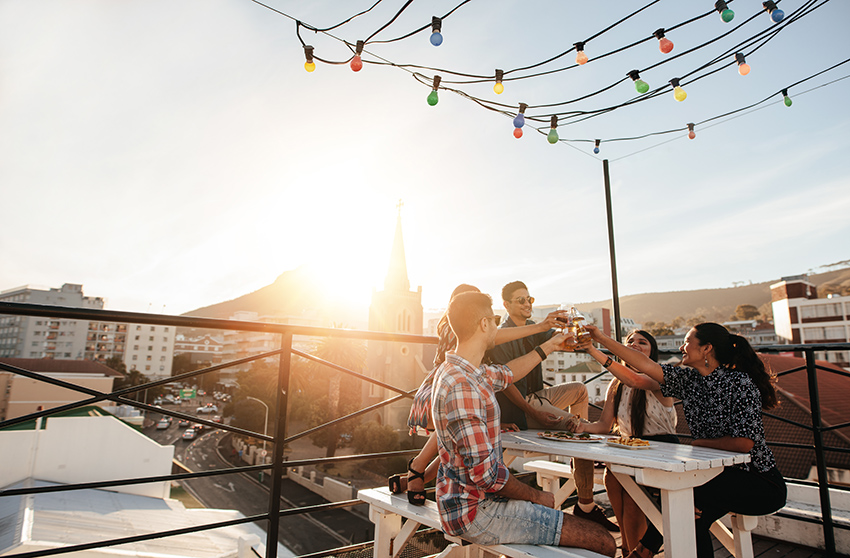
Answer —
800 317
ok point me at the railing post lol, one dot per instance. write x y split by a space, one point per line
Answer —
279 436
817 434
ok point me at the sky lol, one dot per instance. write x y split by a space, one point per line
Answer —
171 154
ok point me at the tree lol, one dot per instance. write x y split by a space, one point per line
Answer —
335 394
659 328
695 320
746 312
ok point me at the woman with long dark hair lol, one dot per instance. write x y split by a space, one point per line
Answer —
636 406
723 386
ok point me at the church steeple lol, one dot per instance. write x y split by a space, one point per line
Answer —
397 279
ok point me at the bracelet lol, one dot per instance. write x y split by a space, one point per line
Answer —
608 362
540 352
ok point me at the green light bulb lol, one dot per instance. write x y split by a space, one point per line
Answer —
433 99
787 101
641 86
727 15
552 137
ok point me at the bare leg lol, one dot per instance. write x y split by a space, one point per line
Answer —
615 496
631 519
582 533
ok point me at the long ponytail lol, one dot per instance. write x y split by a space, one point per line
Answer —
736 352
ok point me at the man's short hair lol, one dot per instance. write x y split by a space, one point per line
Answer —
466 310
509 289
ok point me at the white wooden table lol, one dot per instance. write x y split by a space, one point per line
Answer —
673 468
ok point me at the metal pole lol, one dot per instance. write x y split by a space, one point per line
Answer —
615 298
817 434
279 436
265 425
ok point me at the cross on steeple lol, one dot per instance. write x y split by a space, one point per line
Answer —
399 205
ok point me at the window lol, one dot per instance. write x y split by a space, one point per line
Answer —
148 358
153 328
162 359
166 328
135 347
150 338
147 368
138 328
135 357
820 310
150 347
164 349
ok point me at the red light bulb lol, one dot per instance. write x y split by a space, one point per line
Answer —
356 63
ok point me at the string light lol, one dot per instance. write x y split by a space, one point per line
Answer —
691 133
433 98
726 14
665 45
309 65
640 85
552 136
596 147
498 89
775 13
581 57
436 27
785 98
357 62
743 67
678 93
519 120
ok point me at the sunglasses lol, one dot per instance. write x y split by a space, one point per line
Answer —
523 300
496 318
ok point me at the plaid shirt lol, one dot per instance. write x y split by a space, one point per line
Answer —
466 416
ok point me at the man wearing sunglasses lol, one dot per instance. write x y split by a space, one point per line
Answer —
528 403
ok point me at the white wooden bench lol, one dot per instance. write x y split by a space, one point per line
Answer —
738 541
396 521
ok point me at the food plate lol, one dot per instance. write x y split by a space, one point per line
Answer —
564 436
617 445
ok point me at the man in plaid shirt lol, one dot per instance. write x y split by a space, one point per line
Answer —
477 496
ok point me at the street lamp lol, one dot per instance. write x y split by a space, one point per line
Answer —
266 424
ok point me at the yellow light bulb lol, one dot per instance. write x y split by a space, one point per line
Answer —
679 94
309 66
498 89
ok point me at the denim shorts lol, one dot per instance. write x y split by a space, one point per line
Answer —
514 522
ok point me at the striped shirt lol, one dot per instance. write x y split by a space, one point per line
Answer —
467 419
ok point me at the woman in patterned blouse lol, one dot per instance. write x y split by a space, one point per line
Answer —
423 467
723 386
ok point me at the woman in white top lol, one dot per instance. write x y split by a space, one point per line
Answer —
638 409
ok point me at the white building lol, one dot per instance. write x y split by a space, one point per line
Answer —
148 349
800 317
201 349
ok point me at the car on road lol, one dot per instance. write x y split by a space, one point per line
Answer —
197 428
189 434
183 424
216 418
162 425
209 408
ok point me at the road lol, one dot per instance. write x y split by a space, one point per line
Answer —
303 534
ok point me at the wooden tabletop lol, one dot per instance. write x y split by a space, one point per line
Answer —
660 455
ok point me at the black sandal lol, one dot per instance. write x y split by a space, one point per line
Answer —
415 497
394 483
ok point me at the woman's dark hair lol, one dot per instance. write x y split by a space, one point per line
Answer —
638 414
734 351
444 320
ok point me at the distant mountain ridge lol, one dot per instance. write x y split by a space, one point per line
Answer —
714 304
294 294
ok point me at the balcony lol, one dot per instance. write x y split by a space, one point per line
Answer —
820 451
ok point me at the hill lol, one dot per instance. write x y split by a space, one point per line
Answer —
714 304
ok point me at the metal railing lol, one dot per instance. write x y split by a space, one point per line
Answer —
278 440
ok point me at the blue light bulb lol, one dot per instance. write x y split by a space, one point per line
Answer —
519 121
436 38
777 15
596 150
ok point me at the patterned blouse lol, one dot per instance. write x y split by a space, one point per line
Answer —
420 411
724 403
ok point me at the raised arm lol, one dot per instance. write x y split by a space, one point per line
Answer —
523 365
636 359
505 334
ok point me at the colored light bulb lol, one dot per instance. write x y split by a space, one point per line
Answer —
691 133
786 99
596 150
517 133
641 86
436 27
743 69
727 15
309 66
498 89
679 94
777 15
665 45
519 120
356 63
552 136
581 58
433 98
436 38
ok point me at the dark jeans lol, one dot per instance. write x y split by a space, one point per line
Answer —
733 490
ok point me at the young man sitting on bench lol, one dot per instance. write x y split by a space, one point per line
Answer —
478 499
